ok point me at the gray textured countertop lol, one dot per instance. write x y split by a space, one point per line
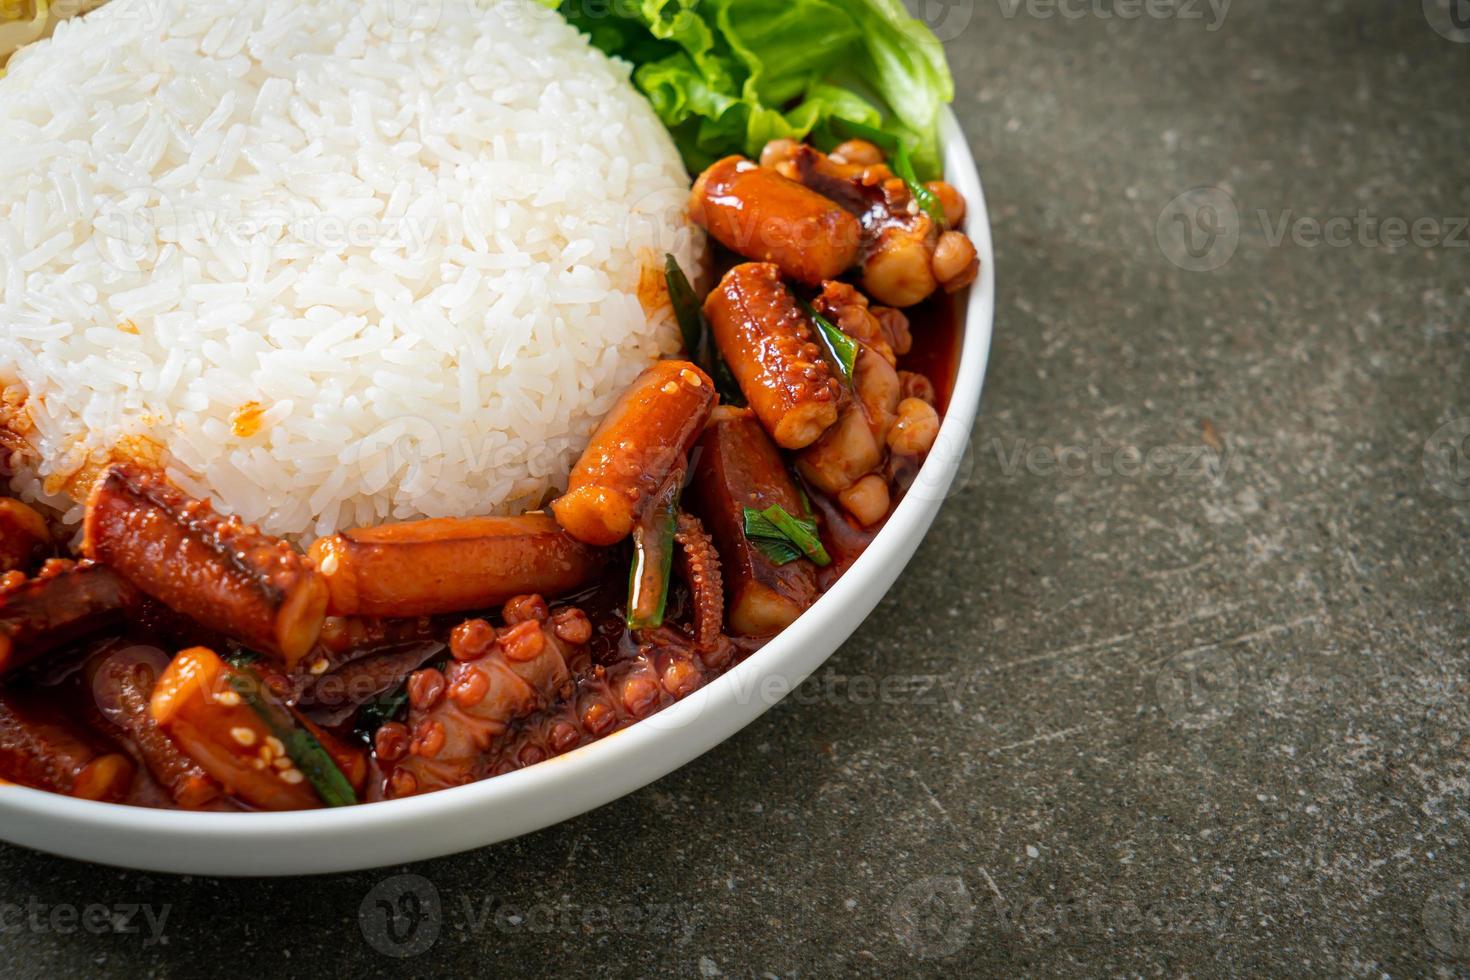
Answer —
1180 674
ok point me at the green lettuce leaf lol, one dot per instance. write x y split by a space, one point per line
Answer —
728 76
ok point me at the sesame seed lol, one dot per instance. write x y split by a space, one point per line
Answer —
292 776
691 377
230 699
245 736
275 745
283 763
320 667
329 564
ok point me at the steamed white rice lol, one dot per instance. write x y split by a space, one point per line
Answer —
336 262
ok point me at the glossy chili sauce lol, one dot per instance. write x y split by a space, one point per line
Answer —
347 702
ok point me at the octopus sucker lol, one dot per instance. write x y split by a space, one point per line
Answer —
496 677
229 576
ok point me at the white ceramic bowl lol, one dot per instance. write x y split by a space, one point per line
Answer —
436 824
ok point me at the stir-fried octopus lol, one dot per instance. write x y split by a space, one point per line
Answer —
180 658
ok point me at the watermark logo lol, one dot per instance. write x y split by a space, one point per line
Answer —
1446 460
401 916
1446 918
389 17
1199 230
1198 688
1449 18
934 917
947 19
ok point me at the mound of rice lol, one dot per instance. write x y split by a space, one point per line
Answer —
332 263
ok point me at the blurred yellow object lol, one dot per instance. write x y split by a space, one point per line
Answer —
21 22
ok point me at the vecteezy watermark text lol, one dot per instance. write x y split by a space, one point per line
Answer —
404 916
939 916
96 918
1201 229
1211 13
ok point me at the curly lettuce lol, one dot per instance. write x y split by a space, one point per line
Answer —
727 76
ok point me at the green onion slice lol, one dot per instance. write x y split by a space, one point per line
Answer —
695 330
653 557
382 709
301 745
783 538
841 348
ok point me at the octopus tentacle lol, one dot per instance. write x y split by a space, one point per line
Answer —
699 563
497 677
122 682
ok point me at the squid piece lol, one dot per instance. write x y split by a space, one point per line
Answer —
65 602
346 638
23 535
38 749
773 353
333 698
420 568
122 682
198 706
699 563
738 467
497 677
228 576
643 439
765 216
904 255
606 700
881 328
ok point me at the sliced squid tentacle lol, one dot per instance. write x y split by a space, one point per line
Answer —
40 749
448 565
65 602
227 575
640 442
736 468
762 215
768 342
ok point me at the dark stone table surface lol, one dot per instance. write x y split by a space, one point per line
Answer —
1178 681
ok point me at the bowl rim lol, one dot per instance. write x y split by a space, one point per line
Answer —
578 781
